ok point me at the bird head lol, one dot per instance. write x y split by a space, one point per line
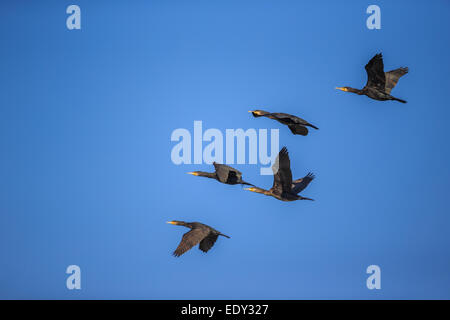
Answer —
176 222
349 89
258 113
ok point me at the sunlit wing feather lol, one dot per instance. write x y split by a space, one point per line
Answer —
300 184
223 172
392 78
189 240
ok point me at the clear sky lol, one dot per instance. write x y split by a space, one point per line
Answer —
87 178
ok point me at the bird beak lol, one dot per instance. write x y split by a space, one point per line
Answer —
249 189
170 222
342 89
193 173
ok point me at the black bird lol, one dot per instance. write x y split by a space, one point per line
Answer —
284 188
200 233
296 124
379 83
224 174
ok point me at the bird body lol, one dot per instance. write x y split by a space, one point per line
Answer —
200 233
284 188
295 124
224 174
379 83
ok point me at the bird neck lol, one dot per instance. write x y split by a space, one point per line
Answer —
188 225
211 175
263 191
258 190
354 90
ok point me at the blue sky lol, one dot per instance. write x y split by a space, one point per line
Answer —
87 179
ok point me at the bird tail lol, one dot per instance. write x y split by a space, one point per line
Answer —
224 235
399 100
312 126
304 198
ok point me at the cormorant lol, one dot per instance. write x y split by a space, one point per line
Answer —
379 83
199 233
284 188
296 125
224 174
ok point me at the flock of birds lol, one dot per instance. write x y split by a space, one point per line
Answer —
379 85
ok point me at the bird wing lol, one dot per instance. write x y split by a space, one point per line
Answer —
300 184
375 73
223 172
190 239
208 242
392 78
298 129
289 118
282 175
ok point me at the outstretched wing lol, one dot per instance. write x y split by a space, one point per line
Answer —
300 184
375 73
208 242
224 173
189 240
282 175
392 78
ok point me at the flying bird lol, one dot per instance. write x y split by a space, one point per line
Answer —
224 174
296 125
199 233
284 188
379 83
